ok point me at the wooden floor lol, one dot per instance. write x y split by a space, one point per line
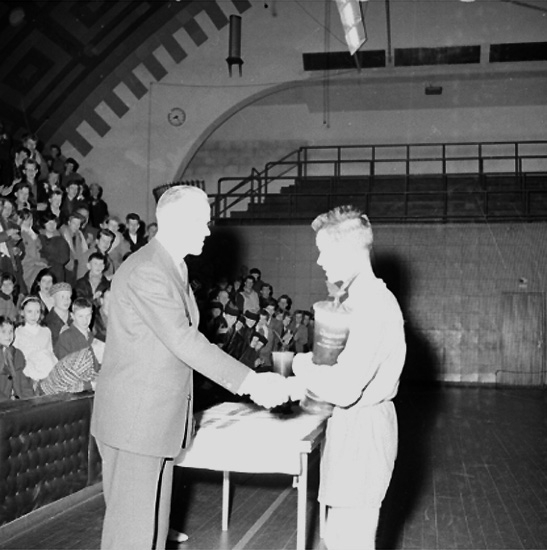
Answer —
471 473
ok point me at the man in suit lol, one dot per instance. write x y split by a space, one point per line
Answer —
143 403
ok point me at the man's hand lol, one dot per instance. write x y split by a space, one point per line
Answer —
266 389
303 368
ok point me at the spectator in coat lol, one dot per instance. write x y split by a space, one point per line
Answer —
98 209
13 382
78 335
77 244
133 233
54 248
58 318
93 284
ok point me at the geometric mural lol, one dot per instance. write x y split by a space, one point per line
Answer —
68 56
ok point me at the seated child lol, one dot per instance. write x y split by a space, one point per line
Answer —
235 342
34 340
58 318
215 321
251 319
93 283
226 333
77 367
251 355
13 382
77 336
7 305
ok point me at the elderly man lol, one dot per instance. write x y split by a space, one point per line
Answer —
361 439
143 404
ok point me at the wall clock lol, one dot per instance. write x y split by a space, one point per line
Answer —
176 116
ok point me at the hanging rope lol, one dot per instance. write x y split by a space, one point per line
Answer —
326 72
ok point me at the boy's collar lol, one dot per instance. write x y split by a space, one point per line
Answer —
85 333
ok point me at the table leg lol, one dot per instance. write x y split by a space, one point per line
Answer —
302 503
225 499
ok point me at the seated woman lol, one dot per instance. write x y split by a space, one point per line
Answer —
41 287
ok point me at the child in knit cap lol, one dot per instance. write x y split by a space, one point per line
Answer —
58 319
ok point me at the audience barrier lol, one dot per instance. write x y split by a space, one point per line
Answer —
46 452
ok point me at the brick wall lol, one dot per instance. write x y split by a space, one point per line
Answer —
449 280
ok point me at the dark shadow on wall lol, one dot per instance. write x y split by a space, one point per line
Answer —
221 257
417 405
422 361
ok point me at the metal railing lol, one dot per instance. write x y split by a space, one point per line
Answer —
422 182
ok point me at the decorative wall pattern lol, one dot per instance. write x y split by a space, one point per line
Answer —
67 57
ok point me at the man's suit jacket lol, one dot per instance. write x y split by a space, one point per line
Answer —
143 399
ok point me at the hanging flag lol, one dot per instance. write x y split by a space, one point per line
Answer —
352 22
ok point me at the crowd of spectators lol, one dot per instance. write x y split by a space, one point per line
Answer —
59 248
245 319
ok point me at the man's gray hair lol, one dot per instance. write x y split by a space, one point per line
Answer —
180 194
345 222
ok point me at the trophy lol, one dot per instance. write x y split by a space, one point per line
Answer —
331 332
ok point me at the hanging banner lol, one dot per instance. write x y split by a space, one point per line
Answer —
352 22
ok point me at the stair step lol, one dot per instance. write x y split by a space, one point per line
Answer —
417 197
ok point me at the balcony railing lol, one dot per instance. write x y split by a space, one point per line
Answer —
451 182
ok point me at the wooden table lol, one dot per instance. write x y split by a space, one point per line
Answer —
241 437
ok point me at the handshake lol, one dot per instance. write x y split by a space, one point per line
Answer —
269 389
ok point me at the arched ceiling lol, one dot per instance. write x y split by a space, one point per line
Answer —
55 52
64 57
